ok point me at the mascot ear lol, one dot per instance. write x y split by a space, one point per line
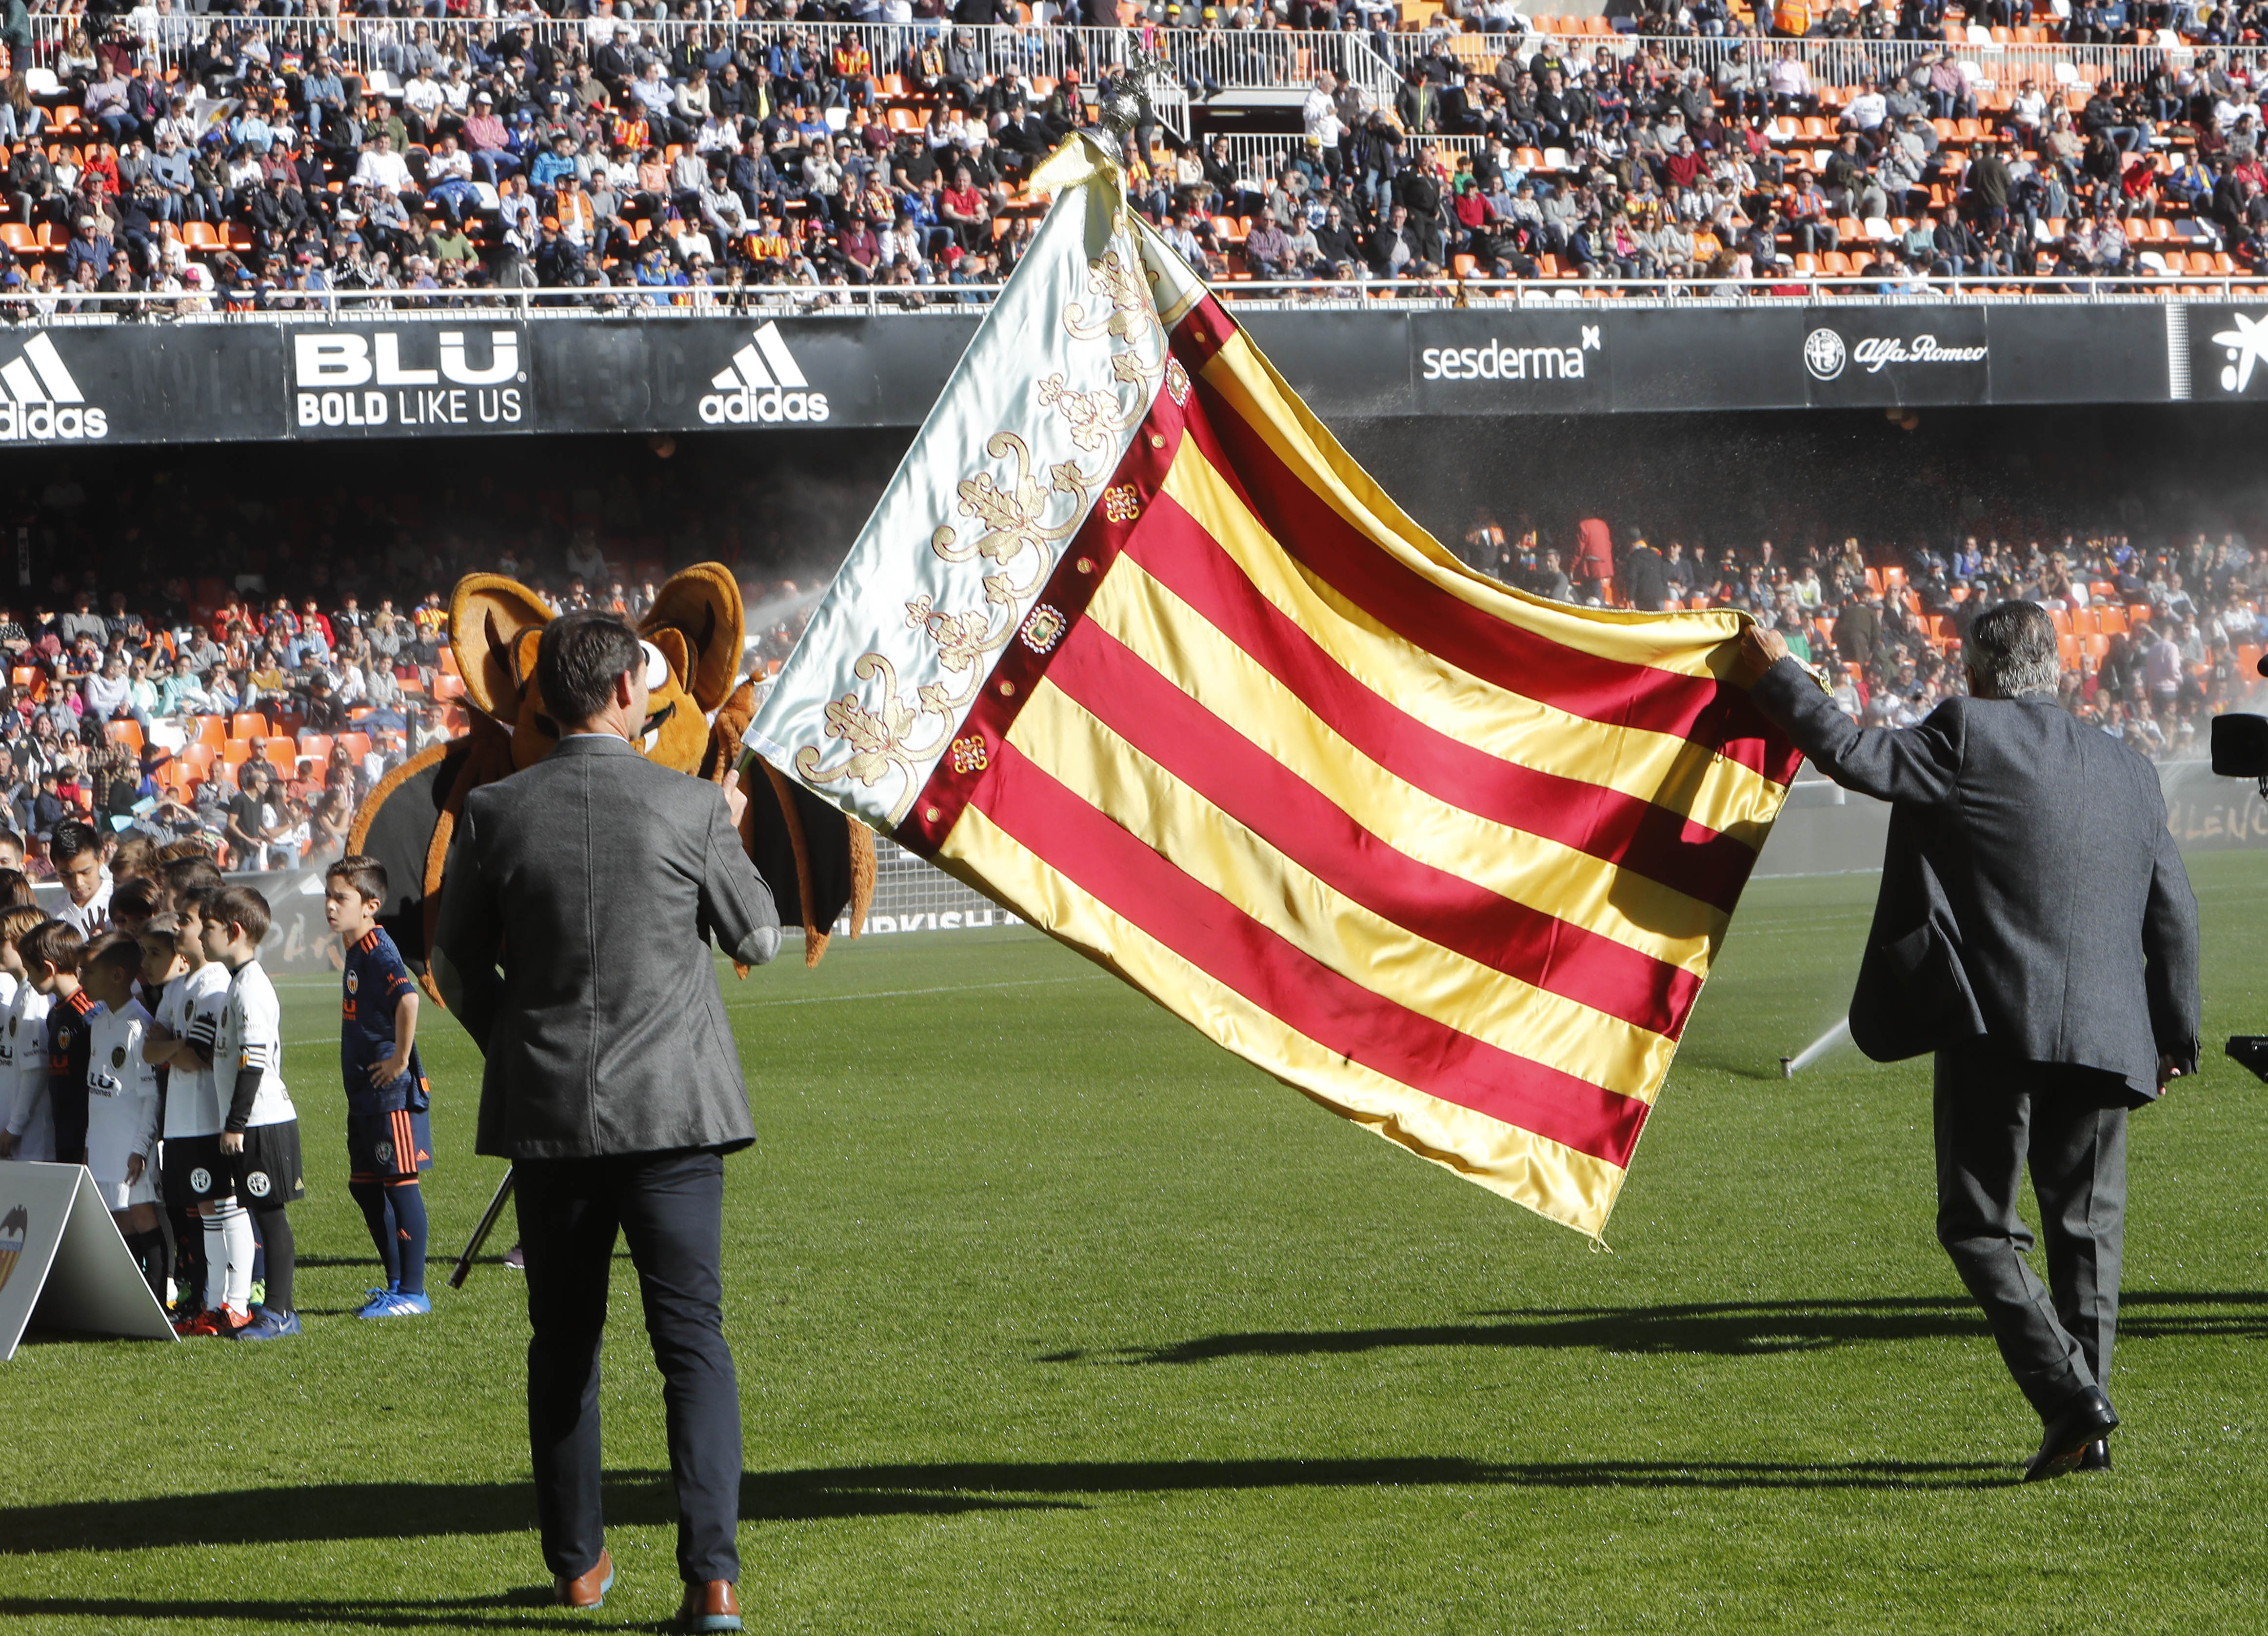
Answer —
703 603
673 648
488 614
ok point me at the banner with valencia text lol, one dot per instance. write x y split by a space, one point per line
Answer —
1132 646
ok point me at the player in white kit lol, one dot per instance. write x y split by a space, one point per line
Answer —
29 1125
121 1102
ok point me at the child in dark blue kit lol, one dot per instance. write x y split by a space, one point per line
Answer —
389 1138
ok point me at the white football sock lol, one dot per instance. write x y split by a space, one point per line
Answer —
228 1253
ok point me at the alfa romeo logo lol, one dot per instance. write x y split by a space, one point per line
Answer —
1824 354
257 1184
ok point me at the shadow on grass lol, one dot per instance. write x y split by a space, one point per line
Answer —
502 1613
1728 1328
333 1512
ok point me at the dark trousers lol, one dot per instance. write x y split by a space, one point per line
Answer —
1993 1117
670 1209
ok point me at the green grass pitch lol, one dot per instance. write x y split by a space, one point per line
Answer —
1050 1316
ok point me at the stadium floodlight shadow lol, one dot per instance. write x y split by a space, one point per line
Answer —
327 1511
1728 1328
905 1489
802 1493
453 1613
324 1512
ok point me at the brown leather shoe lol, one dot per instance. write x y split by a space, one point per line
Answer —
710 1606
586 1590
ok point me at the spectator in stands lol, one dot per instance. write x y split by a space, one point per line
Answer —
109 695
1644 576
83 621
383 171
103 103
257 822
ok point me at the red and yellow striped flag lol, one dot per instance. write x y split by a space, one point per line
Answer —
1450 859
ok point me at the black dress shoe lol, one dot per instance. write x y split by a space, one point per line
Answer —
2083 1421
2097 1457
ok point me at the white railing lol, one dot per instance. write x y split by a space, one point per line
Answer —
1260 160
1833 62
1796 289
1256 59
632 303
1204 60
383 49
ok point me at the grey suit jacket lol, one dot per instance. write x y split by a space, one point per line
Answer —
593 880
2030 891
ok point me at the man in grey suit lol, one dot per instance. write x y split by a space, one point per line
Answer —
595 879
2036 929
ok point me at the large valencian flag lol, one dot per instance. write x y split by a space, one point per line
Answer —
1132 646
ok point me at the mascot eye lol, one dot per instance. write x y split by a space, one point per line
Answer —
657 667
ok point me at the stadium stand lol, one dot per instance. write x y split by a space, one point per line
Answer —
686 154
302 625
631 157
2155 638
304 630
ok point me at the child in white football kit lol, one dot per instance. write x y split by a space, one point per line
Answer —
30 1132
198 1174
121 1102
162 966
260 1126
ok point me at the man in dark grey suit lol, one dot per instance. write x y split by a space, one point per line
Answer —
595 879
2036 929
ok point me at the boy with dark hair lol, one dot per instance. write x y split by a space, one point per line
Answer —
199 1175
196 873
388 1137
260 1125
133 858
30 1132
123 1103
132 901
75 850
51 951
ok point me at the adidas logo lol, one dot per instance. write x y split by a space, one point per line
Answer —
43 401
763 385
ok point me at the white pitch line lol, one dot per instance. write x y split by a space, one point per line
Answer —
950 988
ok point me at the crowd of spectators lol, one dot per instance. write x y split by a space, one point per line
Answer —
247 157
1733 161
248 677
2156 636
660 153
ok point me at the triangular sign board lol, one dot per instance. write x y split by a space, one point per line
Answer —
62 1262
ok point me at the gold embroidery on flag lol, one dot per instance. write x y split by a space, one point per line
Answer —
1094 416
1020 514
